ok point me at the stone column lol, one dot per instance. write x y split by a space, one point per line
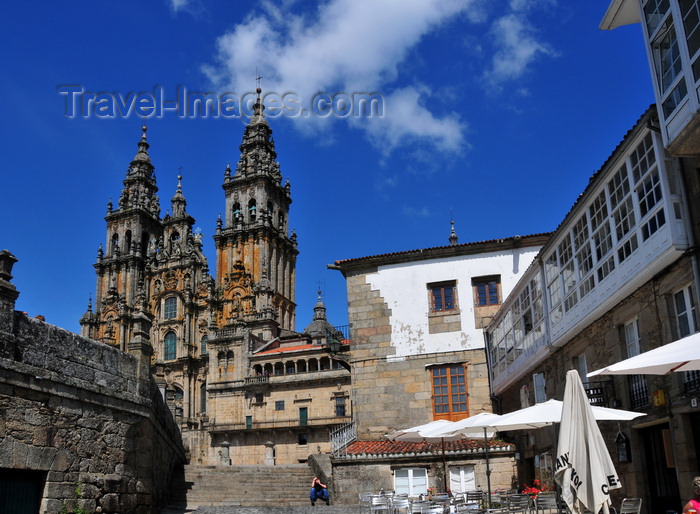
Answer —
140 345
8 292
224 454
269 453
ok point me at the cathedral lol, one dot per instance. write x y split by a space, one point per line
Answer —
243 385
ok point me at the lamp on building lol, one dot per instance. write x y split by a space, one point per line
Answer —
623 447
334 345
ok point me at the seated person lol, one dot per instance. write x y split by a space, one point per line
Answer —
318 491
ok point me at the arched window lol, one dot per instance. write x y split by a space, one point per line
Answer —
279 369
269 213
252 209
203 398
170 346
301 366
229 361
236 211
204 345
115 243
257 369
289 367
175 236
170 308
127 242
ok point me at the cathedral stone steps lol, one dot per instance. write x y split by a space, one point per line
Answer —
243 486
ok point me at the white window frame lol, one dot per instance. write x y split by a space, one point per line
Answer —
583 367
411 481
689 312
632 338
540 384
462 478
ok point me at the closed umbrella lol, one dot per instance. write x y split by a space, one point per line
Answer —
680 355
583 467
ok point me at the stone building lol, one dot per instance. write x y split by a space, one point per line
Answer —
616 278
83 426
243 385
417 355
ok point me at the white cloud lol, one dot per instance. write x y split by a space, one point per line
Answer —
408 121
178 5
516 48
192 7
344 45
413 212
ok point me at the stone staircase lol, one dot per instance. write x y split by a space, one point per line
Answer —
241 486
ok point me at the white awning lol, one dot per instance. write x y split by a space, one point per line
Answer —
620 12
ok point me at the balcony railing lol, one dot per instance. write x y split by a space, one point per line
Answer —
344 329
280 423
639 392
341 437
257 380
691 381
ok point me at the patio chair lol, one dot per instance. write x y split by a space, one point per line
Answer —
365 501
401 503
379 503
519 503
546 502
475 497
418 505
631 506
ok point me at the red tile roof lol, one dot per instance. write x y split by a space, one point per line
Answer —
289 349
297 348
399 447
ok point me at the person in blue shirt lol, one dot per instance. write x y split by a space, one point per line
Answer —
319 491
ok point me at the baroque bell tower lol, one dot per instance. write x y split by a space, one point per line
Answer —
255 255
131 228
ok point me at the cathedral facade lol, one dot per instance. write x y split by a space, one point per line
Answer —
243 385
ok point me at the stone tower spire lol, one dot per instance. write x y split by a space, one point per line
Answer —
320 327
453 235
256 256
131 228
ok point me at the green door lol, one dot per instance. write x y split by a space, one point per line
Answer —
303 416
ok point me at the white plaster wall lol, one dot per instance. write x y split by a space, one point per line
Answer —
404 288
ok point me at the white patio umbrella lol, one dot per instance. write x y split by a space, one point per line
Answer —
429 432
583 467
472 428
680 355
547 413
425 432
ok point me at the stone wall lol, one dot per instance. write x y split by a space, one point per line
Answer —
85 417
352 476
393 393
603 342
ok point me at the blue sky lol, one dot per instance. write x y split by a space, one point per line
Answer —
496 113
